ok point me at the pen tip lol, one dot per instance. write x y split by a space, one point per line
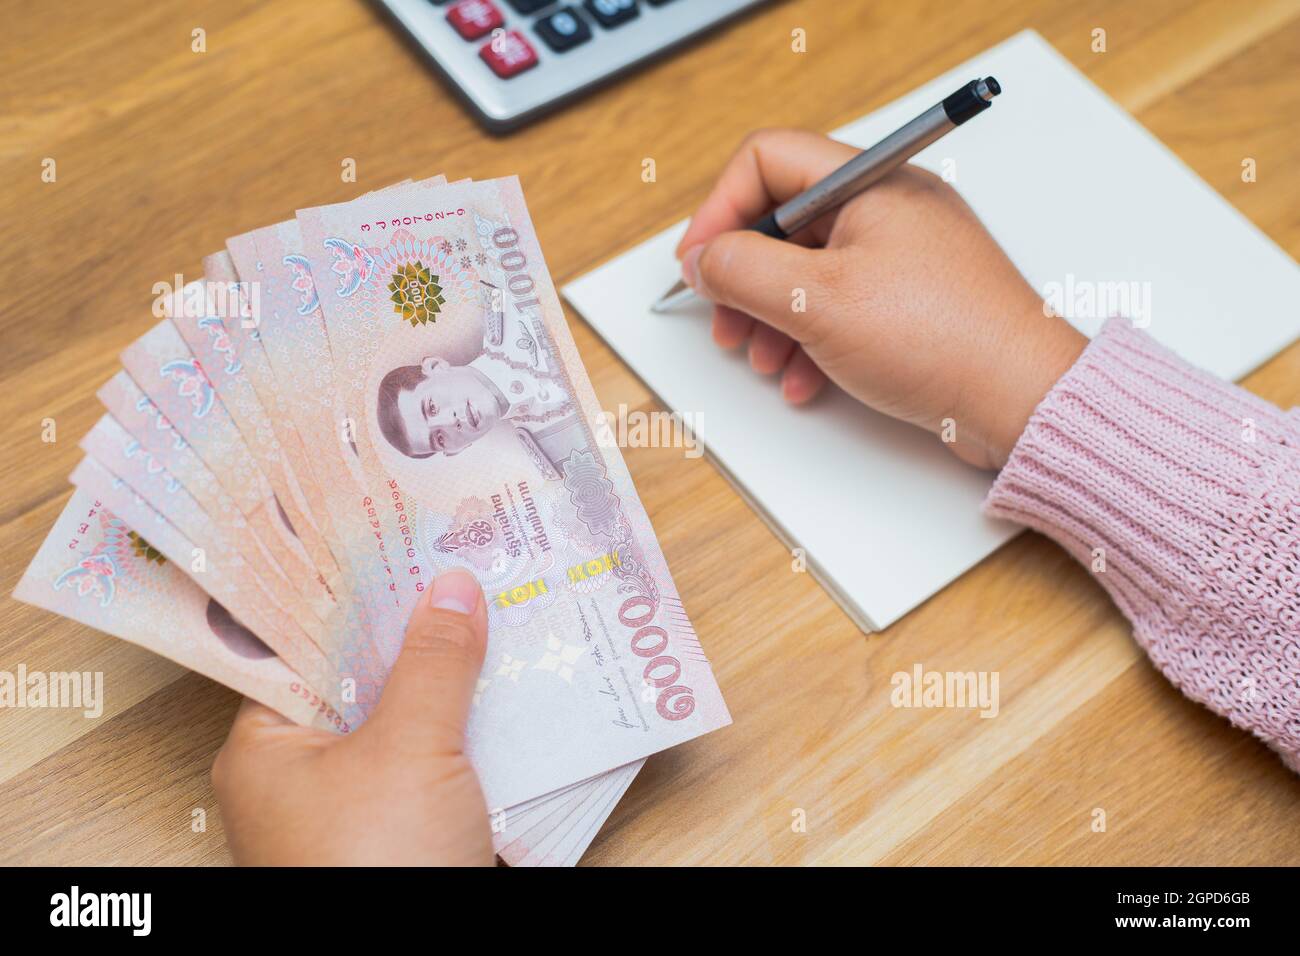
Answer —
674 297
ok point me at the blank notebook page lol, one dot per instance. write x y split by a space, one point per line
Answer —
1076 191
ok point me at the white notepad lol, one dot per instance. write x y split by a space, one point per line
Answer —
1069 184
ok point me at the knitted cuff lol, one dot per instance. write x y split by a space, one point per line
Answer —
1182 494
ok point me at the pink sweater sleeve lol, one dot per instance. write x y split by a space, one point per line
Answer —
1182 494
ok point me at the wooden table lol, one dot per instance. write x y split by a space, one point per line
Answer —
162 153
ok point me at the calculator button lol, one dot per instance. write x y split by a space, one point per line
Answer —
473 19
563 30
508 54
611 13
529 6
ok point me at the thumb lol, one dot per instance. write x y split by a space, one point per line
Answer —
759 275
426 701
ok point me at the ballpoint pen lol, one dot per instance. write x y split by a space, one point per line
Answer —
863 170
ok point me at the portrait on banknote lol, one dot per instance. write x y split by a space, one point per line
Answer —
434 406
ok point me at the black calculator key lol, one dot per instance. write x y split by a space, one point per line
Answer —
527 6
611 13
563 30
653 3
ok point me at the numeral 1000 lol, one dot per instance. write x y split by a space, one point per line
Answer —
676 701
520 283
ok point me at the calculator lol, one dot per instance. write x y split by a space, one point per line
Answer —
512 60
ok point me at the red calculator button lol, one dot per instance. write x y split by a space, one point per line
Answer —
475 18
508 54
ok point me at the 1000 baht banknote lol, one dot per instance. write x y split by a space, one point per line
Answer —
472 420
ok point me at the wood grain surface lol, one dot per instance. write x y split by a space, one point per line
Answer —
162 153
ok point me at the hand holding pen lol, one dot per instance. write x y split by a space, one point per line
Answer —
899 296
865 169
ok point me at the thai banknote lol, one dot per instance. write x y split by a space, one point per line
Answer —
291 335
287 349
162 365
240 593
125 457
220 305
164 448
518 833
366 396
516 823
470 418
93 569
564 844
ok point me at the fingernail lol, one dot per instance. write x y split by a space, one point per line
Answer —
455 591
691 266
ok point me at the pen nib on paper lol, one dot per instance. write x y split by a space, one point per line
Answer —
674 297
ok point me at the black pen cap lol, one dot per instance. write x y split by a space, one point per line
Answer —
975 97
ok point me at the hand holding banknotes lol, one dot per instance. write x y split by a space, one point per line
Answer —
908 303
398 791
348 406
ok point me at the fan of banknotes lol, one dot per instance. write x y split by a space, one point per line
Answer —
347 404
